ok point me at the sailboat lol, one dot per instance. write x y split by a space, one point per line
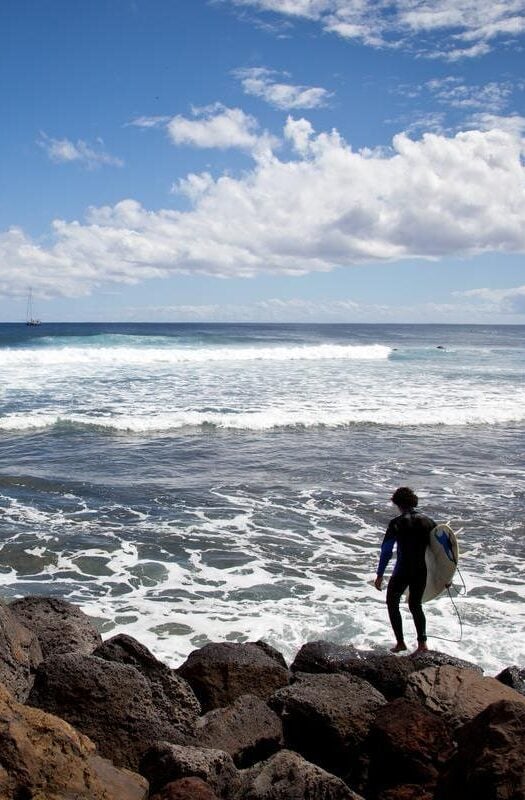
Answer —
30 319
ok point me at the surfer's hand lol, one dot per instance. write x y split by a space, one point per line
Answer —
378 583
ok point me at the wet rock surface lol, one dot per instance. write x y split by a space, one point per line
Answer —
220 673
61 627
513 677
20 654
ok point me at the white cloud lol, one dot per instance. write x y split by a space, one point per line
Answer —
503 301
453 92
63 151
513 124
149 122
403 22
324 207
262 82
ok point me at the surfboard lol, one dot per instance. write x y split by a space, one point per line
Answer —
441 556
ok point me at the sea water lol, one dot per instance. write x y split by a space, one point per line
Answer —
195 483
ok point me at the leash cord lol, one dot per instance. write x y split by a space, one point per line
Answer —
461 592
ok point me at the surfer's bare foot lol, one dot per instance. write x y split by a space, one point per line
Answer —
400 646
421 648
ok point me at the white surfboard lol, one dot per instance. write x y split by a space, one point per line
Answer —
441 556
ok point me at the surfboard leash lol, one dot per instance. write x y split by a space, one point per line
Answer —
459 593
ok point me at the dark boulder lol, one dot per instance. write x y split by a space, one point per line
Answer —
408 791
287 776
407 745
271 651
186 789
20 654
220 673
248 730
164 762
513 677
111 703
388 673
60 626
326 718
457 694
490 762
167 687
43 757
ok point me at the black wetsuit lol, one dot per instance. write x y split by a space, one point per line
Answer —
410 531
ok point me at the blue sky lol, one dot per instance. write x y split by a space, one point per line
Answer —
300 160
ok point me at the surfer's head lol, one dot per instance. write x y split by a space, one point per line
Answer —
404 498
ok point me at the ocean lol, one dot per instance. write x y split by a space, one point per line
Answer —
194 483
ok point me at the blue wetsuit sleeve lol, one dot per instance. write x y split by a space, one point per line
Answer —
387 548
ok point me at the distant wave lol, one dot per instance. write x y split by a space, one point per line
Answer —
493 414
152 356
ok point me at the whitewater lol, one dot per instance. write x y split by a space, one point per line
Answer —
192 483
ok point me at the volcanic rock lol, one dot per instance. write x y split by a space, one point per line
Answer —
186 789
166 686
513 677
220 673
111 703
326 718
164 762
60 626
407 745
271 651
20 654
287 776
42 756
458 694
490 763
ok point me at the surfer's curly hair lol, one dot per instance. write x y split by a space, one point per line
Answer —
404 497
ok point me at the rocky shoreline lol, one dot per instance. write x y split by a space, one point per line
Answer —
83 719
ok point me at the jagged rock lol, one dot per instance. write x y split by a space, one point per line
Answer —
20 654
220 673
326 718
186 789
44 758
490 762
287 776
60 626
513 677
387 672
165 762
458 694
248 730
406 792
167 687
111 703
271 651
407 745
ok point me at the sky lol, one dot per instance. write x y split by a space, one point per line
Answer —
263 160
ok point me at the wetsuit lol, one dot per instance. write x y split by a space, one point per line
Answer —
410 531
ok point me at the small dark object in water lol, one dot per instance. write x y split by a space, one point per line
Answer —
440 347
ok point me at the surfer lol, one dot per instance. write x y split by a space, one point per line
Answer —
410 532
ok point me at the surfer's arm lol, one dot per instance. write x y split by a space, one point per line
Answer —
387 548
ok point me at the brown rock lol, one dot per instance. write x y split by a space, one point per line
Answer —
165 762
407 745
220 673
44 758
248 730
327 718
111 703
458 694
20 654
490 762
271 651
61 627
287 776
186 789
168 689
406 792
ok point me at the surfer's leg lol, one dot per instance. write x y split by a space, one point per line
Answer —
396 587
416 589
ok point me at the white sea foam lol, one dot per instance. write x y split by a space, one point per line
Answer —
161 356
